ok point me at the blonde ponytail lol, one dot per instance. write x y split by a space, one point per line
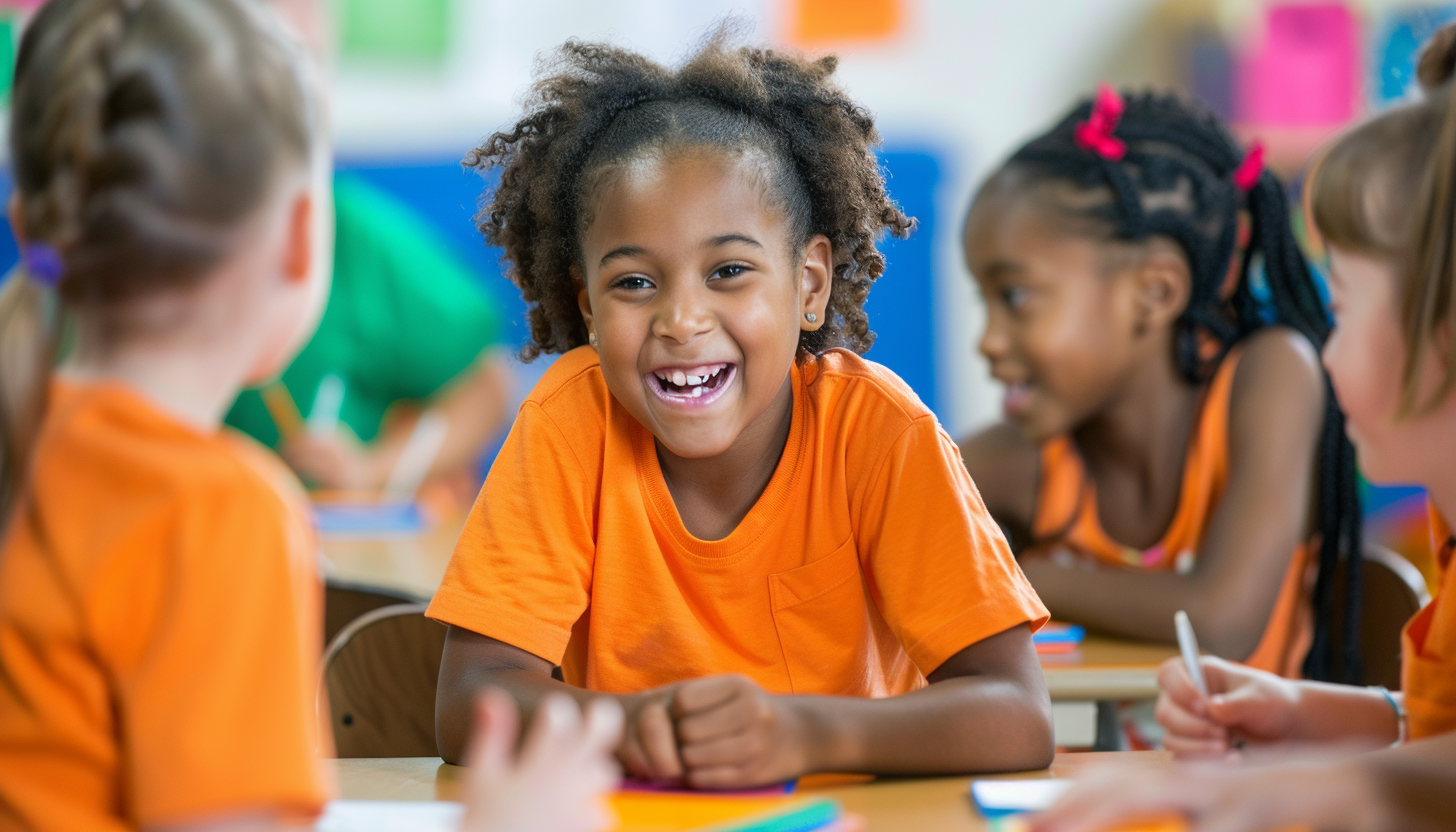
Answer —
28 340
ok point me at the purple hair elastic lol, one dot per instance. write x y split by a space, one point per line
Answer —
44 265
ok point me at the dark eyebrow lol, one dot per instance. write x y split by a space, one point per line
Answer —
621 251
724 239
997 269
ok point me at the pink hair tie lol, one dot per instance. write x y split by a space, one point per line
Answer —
1247 174
1095 134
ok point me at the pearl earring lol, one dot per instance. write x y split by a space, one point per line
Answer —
810 317
591 338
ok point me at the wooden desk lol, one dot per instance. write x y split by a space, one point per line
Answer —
935 804
410 563
1106 669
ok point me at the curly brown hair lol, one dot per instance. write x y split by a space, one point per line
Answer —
596 107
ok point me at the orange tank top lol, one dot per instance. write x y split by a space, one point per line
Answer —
1428 650
1066 518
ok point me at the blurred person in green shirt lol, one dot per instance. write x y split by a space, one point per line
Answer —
407 329
407 324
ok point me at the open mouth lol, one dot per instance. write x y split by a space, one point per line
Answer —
691 385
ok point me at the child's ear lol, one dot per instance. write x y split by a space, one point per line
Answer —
582 301
816 278
1164 285
16 217
298 247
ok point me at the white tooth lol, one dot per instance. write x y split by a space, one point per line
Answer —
679 378
697 379
697 391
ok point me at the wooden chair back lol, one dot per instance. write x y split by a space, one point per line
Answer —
380 675
344 602
1391 591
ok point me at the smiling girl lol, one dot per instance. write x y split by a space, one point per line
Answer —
711 506
1168 441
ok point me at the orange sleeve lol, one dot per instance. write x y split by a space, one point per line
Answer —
216 669
938 566
521 572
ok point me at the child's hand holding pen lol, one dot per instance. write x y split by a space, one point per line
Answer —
1243 706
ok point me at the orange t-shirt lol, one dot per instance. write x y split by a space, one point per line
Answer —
867 562
159 626
1428 650
1066 517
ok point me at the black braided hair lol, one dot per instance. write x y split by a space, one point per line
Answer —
1176 181
597 107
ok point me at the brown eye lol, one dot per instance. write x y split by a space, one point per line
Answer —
632 283
730 270
1015 296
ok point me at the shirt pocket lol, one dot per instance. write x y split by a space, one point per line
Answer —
821 612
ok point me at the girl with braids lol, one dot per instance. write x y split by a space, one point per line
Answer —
1169 441
160 614
1383 198
711 507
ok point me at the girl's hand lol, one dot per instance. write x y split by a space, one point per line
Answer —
556 782
649 746
1244 705
733 734
1220 799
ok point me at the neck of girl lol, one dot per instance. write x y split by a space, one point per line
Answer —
714 494
1146 428
184 369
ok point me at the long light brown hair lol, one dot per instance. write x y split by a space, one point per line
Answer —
1387 189
141 133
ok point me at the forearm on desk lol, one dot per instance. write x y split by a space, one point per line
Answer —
955 726
472 662
1103 599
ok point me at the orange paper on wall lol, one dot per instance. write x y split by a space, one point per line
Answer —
818 22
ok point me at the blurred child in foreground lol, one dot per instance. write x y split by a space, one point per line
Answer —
159 596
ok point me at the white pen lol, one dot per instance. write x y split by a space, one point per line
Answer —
1188 646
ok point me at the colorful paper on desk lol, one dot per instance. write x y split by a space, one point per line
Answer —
637 812
365 519
673 812
998 798
390 816
1057 638
645 787
1017 823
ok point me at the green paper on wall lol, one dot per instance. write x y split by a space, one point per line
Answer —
405 31
7 57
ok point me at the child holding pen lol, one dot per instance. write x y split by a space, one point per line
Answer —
1383 199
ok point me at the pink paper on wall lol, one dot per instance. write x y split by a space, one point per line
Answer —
1303 70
